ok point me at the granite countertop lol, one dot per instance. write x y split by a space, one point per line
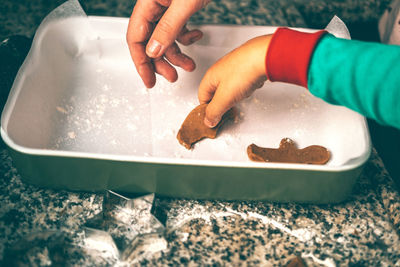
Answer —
43 227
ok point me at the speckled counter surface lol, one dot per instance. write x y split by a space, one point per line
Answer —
47 227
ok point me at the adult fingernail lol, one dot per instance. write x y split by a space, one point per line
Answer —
153 48
210 124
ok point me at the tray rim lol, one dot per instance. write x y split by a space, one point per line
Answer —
179 161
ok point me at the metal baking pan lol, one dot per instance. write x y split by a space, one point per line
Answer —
79 118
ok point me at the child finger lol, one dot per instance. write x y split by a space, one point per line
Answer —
222 101
207 87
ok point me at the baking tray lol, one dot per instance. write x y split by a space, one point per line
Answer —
79 118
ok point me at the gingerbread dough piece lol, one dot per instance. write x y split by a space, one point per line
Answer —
289 153
193 128
296 262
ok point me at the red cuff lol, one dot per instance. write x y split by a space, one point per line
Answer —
289 55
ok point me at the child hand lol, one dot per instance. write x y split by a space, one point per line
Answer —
233 77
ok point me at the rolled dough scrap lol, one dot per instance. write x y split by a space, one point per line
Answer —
193 128
296 262
289 153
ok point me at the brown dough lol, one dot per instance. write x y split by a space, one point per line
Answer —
193 128
296 262
289 153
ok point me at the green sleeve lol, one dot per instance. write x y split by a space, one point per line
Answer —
362 76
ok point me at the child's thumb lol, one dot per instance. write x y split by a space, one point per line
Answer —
217 108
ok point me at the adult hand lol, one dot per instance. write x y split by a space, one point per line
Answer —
233 77
154 28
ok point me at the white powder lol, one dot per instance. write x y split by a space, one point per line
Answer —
61 109
71 135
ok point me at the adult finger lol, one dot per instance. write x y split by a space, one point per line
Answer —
165 69
139 31
177 58
170 25
143 64
144 14
188 37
